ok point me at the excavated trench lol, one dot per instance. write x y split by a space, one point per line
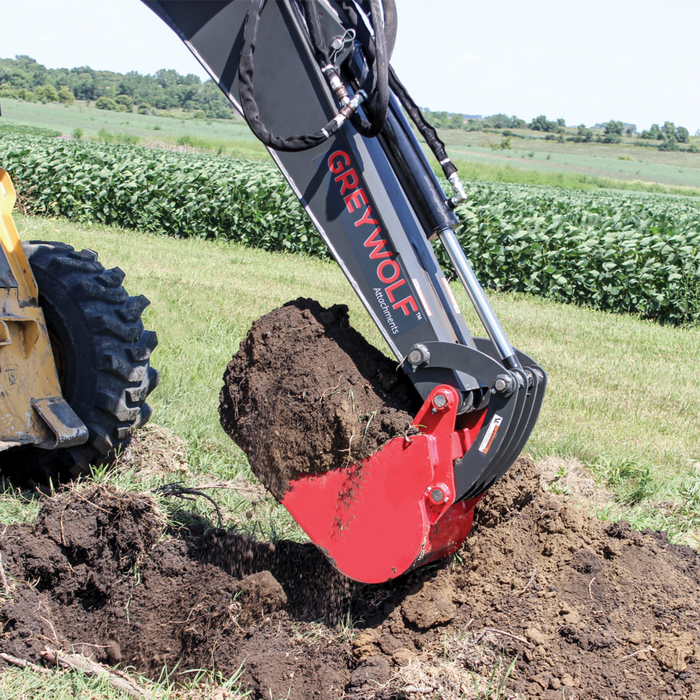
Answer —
581 608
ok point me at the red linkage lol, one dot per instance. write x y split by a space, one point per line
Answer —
394 511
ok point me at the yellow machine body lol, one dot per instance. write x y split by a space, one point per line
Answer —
32 408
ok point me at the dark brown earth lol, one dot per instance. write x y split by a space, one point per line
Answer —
588 609
307 393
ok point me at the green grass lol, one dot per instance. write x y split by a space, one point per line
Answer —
621 390
224 136
535 161
512 171
21 684
623 395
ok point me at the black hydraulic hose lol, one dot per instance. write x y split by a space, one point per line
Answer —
375 83
379 104
390 26
379 78
317 37
434 142
247 93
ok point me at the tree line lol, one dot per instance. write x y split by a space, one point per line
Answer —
25 79
669 135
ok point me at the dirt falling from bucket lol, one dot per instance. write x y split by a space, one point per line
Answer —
306 393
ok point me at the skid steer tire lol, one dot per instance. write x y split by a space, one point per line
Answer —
102 356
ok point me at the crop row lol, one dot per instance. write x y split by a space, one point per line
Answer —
614 251
628 252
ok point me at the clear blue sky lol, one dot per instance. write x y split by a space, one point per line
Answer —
633 60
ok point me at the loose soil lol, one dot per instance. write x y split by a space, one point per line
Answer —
585 609
306 393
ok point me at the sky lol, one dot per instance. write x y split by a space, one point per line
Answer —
637 61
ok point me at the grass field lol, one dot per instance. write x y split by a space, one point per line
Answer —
589 166
531 160
219 135
623 398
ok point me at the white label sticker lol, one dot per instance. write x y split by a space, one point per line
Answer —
422 298
491 432
451 296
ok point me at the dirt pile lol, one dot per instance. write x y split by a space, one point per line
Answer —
90 574
307 393
586 609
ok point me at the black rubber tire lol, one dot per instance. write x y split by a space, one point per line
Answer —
102 355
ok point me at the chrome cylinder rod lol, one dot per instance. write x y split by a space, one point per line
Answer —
478 298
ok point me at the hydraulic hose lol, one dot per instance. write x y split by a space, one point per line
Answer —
390 27
378 77
434 142
247 92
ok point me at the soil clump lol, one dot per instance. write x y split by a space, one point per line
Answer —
306 393
583 608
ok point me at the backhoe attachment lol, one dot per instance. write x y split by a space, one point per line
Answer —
313 81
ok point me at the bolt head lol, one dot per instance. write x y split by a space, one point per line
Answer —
437 495
499 384
415 357
418 355
440 400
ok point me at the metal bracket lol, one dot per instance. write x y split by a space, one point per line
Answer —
62 420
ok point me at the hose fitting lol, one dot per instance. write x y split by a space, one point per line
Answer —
336 84
460 193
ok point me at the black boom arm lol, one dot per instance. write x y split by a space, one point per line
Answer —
312 79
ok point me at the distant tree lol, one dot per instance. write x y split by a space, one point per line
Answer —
629 131
498 121
22 76
46 93
541 123
668 130
456 121
503 121
130 83
614 128
166 78
107 103
586 134
561 122
213 102
612 132
652 134
682 135
84 83
442 119
65 95
583 135
669 143
125 101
